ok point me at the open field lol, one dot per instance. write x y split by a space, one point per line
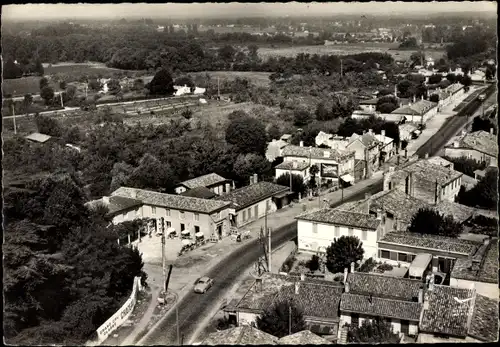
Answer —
343 49
24 85
83 68
260 79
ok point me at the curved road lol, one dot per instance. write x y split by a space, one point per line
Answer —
193 308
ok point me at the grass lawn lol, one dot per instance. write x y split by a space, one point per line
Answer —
260 79
24 85
344 49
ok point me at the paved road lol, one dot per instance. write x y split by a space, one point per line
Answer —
451 127
193 308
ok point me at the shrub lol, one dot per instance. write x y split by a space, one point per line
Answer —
385 267
313 263
368 265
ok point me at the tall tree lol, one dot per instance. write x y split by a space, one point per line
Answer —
11 70
298 185
38 69
275 320
247 134
47 94
162 83
342 252
374 331
430 221
249 164
44 82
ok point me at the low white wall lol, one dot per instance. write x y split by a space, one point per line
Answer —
121 315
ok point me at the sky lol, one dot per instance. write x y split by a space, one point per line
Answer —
177 10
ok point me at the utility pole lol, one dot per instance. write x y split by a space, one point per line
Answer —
269 248
177 325
163 263
14 118
290 183
60 95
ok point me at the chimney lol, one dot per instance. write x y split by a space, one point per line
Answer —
352 267
421 296
422 97
297 285
431 283
326 154
476 264
426 155
406 153
302 277
301 143
491 131
346 271
382 132
455 144
133 194
370 131
295 165
379 214
255 178
105 200
414 98
251 180
258 283
347 287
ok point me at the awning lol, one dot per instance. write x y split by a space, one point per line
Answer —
347 178
170 230
199 234
420 264
187 242
185 232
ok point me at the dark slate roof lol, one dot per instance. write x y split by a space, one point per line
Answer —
243 335
199 192
177 202
288 165
304 337
488 265
315 300
429 171
445 313
383 286
419 108
339 217
484 324
314 152
431 242
380 307
204 181
249 195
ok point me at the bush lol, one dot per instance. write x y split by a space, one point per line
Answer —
313 263
385 267
368 265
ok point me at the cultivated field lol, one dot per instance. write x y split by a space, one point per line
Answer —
343 49
260 79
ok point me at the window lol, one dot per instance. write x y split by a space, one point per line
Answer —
182 215
244 215
402 257
337 231
315 228
350 231
364 235
394 256
153 210
167 211
196 229
249 213
405 327
169 225
196 216
411 257
182 227
385 254
224 188
355 320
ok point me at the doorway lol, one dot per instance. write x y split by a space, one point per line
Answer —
219 231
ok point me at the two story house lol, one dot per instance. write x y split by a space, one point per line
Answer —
318 229
478 145
216 183
210 217
332 163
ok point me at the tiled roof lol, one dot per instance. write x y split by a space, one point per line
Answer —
468 182
288 165
419 108
431 242
117 204
384 139
37 137
484 324
315 300
459 212
380 307
304 337
446 310
429 171
204 181
199 192
383 286
314 152
243 335
400 205
246 196
488 266
367 139
177 202
481 141
339 217
439 161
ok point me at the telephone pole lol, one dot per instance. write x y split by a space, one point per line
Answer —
269 248
14 118
163 263
60 95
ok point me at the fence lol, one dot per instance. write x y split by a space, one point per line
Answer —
120 316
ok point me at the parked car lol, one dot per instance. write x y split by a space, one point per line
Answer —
203 284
